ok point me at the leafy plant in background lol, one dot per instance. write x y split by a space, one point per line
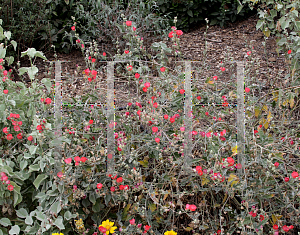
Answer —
192 13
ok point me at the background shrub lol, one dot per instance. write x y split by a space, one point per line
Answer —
191 13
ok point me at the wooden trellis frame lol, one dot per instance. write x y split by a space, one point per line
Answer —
187 113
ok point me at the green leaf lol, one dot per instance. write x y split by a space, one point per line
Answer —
2 53
14 230
239 8
40 216
17 198
32 71
41 55
92 198
13 103
27 156
30 52
22 213
28 220
59 223
14 43
259 24
34 167
68 215
190 13
32 149
47 83
56 207
23 164
39 180
5 222
9 60
22 70
7 34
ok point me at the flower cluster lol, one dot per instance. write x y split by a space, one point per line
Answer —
13 118
4 178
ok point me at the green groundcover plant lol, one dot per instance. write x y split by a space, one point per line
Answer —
60 184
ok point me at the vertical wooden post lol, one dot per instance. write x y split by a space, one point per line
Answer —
187 116
110 118
57 110
240 116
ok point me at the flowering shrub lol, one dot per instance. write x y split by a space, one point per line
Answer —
168 176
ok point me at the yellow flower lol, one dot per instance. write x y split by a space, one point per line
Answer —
170 233
108 226
57 234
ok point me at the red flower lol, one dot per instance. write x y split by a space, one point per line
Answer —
215 78
78 41
112 189
16 128
261 217
87 72
249 53
247 89
181 91
126 51
128 23
276 164
289 51
154 129
193 207
91 121
238 166
99 186
9 137
5 130
83 159
5 91
39 127
77 159
119 180
132 221
286 179
73 28
295 174
104 54
285 228
93 60
166 116
129 67
102 229
147 84
10 187
222 69
59 174
157 140
68 160
198 97
171 34
30 138
19 136
147 227
219 231
162 69
172 120
230 160
139 112
179 32
275 226
155 105
137 75
291 227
